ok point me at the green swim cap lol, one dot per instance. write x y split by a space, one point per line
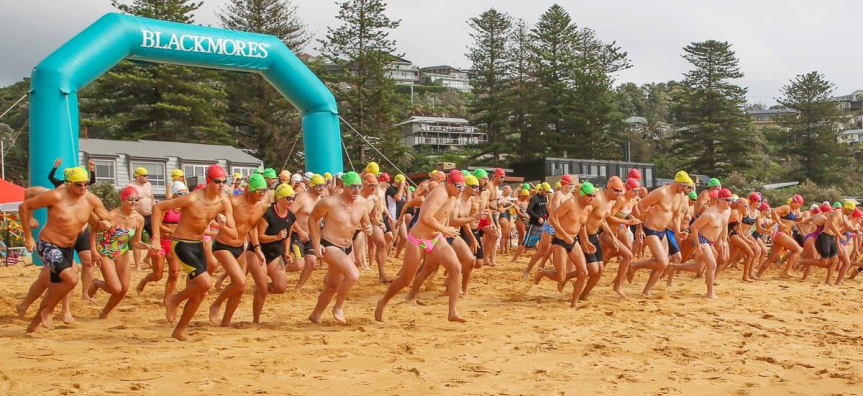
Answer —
525 186
693 196
480 174
270 173
412 188
257 182
259 170
714 182
837 205
351 178
586 188
465 172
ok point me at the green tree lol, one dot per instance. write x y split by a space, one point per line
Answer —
488 56
520 90
263 118
157 101
811 137
715 136
359 51
14 131
553 39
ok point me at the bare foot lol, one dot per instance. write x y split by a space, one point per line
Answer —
385 280
379 310
171 309
619 290
746 279
711 296
67 318
21 311
538 277
103 314
140 287
316 319
339 316
180 335
214 314
91 291
525 275
630 273
455 317
574 304
47 319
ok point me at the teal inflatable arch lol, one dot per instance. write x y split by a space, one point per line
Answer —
57 79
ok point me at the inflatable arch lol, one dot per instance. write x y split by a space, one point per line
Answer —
56 80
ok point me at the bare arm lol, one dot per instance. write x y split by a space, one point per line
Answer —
427 216
136 241
554 220
321 209
230 226
651 199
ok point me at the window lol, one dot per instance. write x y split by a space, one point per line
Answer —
594 170
155 169
105 171
602 170
195 170
648 176
243 170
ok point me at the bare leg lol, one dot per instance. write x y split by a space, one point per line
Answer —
56 292
36 290
342 275
194 292
309 262
594 274
87 269
233 292
406 275
124 275
157 268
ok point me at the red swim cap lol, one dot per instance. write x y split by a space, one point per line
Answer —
634 174
455 176
713 194
216 172
384 177
566 179
127 192
754 197
499 172
764 207
825 208
797 198
857 213
815 210
632 184
725 193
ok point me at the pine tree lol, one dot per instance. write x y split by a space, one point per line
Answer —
520 91
263 118
488 56
157 101
359 51
553 55
714 136
14 130
812 137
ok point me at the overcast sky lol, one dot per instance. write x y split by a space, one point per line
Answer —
774 40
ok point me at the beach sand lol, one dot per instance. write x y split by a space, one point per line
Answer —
777 336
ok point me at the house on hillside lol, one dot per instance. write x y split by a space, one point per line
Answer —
440 133
116 160
850 103
767 118
446 76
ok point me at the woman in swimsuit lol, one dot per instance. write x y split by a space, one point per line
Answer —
785 216
504 205
740 240
112 247
521 216
169 223
762 229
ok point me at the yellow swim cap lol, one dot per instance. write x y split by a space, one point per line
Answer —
525 192
76 175
557 185
849 204
683 177
141 171
237 176
328 176
546 186
284 190
373 168
317 180
177 174
471 180
399 178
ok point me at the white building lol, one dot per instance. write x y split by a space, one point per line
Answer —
440 133
116 160
446 76
853 136
403 72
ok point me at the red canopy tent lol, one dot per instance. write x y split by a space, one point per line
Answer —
11 195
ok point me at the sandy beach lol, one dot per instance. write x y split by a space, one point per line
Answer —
767 338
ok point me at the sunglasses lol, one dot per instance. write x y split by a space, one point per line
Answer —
354 186
143 176
180 194
475 187
260 191
590 195
372 185
459 186
289 199
618 191
80 184
729 200
133 199
219 181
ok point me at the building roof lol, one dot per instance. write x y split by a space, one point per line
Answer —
440 67
852 132
156 149
774 186
772 111
636 120
433 120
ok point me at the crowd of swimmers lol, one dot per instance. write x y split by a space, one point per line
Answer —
269 224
